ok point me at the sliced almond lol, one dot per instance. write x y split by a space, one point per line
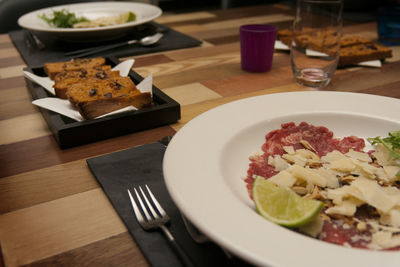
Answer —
315 194
300 190
347 179
307 145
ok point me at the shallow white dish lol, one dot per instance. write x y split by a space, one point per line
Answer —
206 160
144 13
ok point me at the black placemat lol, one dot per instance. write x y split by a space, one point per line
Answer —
141 165
54 48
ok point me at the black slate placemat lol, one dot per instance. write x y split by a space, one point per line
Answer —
141 165
54 48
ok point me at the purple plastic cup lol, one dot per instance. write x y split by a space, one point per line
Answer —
257 42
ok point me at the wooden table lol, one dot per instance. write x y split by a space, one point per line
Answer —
52 210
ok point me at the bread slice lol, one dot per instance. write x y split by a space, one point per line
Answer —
65 79
363 52
96 97
349 40
319 40
353 49
52 69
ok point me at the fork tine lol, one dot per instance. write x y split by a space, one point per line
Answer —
142 206
153 198
152 211
135 208
154 220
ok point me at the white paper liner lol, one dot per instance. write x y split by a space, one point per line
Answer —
372 63
281 46
61 106
45 82
124 67
314 53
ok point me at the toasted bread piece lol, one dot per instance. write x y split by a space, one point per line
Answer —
65 79
52 69
329 43
349 40
353 48
308 35
363 52
96 97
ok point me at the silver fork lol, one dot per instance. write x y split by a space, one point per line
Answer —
152 217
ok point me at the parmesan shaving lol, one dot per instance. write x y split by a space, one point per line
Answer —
343 165
333 156
348 181
358 156
308 175
382 156
391 172
279 163
283 178
347 208
296 159
372 194
384 240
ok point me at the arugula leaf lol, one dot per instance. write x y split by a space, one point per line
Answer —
62 19
391 143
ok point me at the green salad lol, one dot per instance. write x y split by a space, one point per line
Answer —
65 19
391 143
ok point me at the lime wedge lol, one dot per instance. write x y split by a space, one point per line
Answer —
282 205
127 17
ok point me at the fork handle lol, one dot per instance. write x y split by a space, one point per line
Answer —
186 261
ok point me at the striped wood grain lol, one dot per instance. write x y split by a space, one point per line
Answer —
8 52
39 186
198 52
191 111
9 72
44 152
13 82
238 84
390 90
191 93
5 38
188 65
50 228
365 78
184 17
22 128
15 102
124 252
11 61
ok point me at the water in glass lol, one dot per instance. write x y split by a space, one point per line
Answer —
315 44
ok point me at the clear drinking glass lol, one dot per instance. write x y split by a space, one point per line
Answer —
317 30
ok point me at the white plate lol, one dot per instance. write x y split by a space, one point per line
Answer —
144 13
206 160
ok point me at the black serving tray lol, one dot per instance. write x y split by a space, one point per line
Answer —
70 133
